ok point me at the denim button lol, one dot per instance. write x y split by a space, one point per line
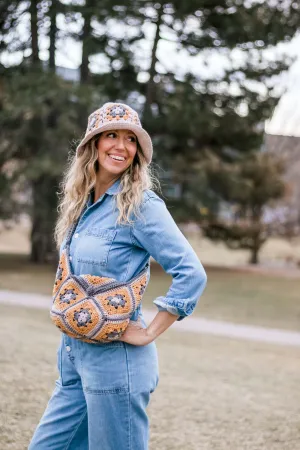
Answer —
76 235
68 348
70 258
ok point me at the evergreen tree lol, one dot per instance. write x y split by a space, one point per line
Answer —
40 114
247 187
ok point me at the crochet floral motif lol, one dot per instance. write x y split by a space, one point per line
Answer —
116 300
67 296
117 111
59 273
82 317
93 120
108 114
114 334
142 289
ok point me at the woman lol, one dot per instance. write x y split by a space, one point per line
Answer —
101 396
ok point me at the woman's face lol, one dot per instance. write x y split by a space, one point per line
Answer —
116 150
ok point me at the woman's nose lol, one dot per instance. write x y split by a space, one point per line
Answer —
120 143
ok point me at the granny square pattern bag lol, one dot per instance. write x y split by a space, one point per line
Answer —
93 308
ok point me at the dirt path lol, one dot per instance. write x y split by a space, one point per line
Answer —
192 324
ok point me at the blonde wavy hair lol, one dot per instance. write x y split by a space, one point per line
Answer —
80 177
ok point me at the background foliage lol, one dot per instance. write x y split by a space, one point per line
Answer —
207 126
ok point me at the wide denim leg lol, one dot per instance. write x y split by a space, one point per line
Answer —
64 422
100 398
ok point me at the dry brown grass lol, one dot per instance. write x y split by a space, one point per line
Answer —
213 394
17 274
15 239
275 252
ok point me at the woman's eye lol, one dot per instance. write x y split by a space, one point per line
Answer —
112 134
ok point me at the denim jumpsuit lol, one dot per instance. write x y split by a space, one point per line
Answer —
101 395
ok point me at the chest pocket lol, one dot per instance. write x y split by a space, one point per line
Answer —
95 245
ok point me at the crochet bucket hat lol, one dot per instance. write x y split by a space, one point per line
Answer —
113 116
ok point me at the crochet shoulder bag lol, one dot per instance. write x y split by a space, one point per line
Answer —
92 308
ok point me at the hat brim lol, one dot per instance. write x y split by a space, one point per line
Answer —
142 135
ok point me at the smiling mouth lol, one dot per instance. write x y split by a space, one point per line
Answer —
117 158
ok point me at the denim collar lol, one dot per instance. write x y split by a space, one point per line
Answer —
112 190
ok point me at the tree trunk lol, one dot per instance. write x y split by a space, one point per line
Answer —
150 92
43 217
34 32
86 34
52 34
257 228
254 255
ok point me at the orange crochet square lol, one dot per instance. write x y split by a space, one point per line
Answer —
84 317
116 301
69 294
111 330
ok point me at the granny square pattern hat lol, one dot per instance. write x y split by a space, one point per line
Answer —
114 116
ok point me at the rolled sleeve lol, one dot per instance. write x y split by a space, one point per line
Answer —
159 235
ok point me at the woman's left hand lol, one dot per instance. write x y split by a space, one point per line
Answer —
136 334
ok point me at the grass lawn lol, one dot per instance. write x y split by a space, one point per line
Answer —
213 394
233 296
